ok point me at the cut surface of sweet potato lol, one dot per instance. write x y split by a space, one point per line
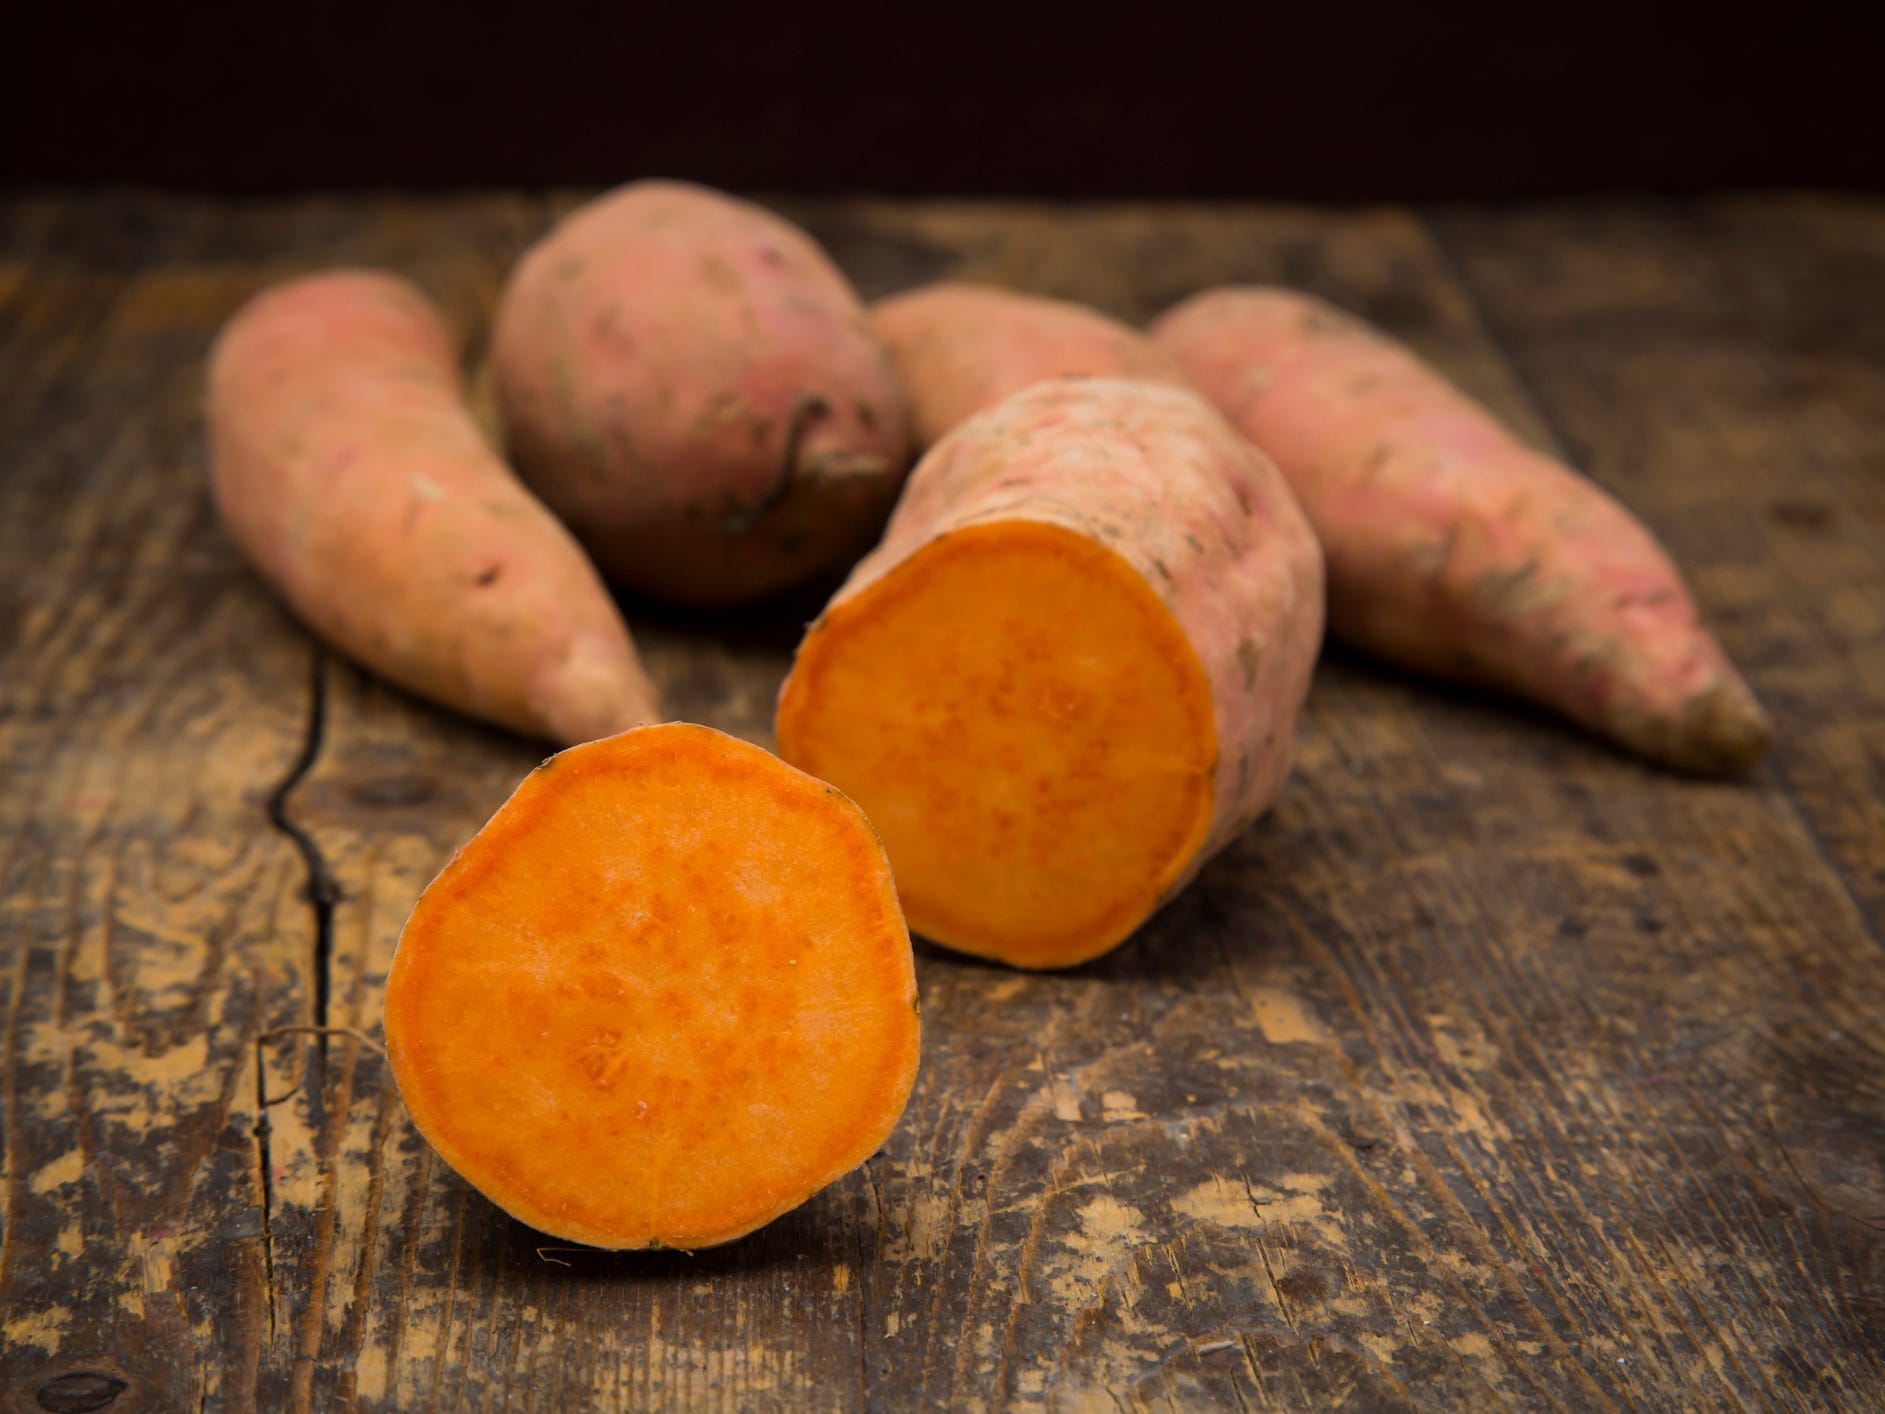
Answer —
665 995
1028 728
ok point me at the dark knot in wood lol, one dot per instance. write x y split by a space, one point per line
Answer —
79 1391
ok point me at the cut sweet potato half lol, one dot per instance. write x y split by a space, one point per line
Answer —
1071 671
664 996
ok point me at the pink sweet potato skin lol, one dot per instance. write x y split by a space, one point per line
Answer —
690 383
1155 474
960 348
1455 549
349 471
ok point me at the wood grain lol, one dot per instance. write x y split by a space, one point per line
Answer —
150 699
1492 1070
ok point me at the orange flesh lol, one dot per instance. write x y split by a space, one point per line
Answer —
1028 728
663 996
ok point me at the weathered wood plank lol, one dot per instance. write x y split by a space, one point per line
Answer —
150 699
1724 363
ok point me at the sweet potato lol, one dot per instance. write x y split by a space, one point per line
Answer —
348 469
960 348
665 995
1455 549
1071 671
693 387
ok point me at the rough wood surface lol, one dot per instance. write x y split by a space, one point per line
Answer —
1492 1070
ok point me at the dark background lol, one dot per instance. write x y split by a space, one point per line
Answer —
1335 100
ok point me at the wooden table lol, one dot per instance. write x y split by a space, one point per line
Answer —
1491 1069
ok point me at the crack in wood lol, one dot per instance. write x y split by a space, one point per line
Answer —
322 893
1263 1256
322 889
265 1170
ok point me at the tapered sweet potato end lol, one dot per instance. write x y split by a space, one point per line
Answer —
1721 731
664 996
594 690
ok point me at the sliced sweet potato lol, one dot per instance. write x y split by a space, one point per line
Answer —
664 996
1071 671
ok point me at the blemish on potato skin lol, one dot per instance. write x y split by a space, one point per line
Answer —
1645 601
1509 592
1249 658
720 275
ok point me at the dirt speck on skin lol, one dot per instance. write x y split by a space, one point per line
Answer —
1510 593
1326 320
1249 658
720 275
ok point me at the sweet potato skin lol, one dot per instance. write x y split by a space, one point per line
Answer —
691 384
1455 549
622 1043
1155 475
960 348
350 473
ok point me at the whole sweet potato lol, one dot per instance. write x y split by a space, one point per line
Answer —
960 348
1456 549
348 469
1071 671
694 388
